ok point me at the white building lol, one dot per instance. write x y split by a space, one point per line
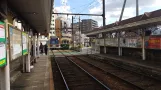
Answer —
52 25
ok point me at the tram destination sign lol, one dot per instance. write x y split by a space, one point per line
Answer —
3 59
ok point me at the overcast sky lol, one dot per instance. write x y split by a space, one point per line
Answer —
113 8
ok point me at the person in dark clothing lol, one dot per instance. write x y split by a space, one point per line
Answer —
41 48
32 50
46 49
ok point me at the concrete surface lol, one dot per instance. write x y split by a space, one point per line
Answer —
37 79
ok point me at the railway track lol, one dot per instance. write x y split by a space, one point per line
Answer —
137 80
75 77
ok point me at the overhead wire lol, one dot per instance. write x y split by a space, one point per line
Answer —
87 6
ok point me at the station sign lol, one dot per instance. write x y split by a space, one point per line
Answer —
3 59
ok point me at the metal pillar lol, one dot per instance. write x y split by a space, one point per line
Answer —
137 7
38 51
119 46
5 71
48 45
72 32
104 13
28 60
143 45
5 75
79 34
34 48
104 44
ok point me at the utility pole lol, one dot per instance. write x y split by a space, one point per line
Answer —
79 34
119 34
122 11
72 33
137 7
103 15
104 22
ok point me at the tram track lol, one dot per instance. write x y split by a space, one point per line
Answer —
114 82
137 80
75 77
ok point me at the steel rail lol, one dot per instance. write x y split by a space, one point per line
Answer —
62 75
88 73
110 73
107 72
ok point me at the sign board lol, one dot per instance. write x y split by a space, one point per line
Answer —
24 42
15 42
154 43
3 59
132 42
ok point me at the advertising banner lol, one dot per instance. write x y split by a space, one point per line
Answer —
154 43
3 59
134 42
24 42
15 42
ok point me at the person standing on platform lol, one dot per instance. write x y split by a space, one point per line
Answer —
46 49
41 48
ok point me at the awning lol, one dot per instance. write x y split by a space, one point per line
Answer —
36 12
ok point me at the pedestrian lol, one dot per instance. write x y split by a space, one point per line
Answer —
41 48
46 49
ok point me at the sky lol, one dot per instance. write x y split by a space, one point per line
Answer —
113 8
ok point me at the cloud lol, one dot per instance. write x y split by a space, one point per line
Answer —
64 8
113 9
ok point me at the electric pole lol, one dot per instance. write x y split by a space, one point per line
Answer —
79 34
72 33
137 7
119 33
122 11
103 15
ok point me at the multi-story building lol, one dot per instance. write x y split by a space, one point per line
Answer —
88 25
66 33
52 25
58 25
79 38
76 32
62 30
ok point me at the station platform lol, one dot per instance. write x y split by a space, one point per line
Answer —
40 77
147 67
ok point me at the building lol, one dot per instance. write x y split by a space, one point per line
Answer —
88 25
52 25
66 33
58 25
62 31
76 33
79 38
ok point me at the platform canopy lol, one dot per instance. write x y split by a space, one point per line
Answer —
36 12
143 21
